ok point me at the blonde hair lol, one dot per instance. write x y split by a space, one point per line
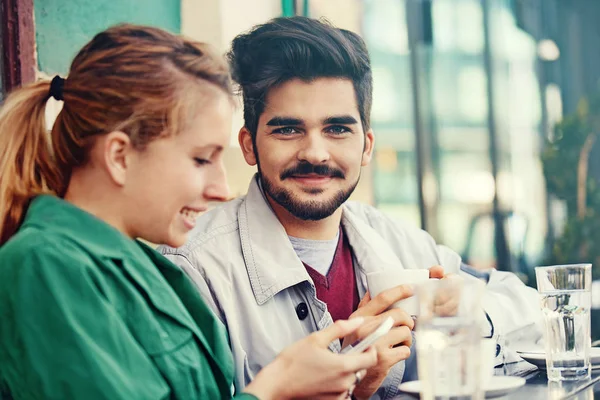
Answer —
130 78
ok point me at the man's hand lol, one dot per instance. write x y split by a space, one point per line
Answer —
436 272
446 302
308 370
391 348
395 345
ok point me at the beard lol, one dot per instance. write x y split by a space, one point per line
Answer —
311 210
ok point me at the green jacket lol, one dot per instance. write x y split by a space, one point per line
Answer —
87 313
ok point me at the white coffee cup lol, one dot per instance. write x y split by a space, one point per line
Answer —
380 281
488 358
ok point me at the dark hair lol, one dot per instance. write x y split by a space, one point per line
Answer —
303 48
140 80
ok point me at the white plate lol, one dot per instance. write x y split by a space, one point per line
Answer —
498 386
538 357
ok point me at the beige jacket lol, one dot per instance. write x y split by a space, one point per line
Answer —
243 263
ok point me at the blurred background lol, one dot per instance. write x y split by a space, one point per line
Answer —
485 111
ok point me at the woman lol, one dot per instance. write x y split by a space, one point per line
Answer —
87 311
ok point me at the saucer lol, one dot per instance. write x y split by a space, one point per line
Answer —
538 357
498 386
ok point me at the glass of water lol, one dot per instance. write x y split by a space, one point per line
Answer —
448 338
565 294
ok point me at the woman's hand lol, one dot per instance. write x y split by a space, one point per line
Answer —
308 369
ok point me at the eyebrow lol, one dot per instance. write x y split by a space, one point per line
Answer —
340 119
291 121
283 121
213 148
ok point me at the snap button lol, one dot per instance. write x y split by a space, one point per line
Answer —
302 311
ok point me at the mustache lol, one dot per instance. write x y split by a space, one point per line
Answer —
306 168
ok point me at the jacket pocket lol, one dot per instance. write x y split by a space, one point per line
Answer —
176 354
163 335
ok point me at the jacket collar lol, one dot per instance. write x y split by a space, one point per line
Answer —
371 251
57 215
271 261
142 264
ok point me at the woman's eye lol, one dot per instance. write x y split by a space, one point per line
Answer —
201 161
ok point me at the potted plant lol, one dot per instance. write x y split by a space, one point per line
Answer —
572 172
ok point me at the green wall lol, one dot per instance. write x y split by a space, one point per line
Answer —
64 26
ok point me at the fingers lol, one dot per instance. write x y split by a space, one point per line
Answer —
395 354
338 330
353 368
394 347
436 272
442 298
359 361
368 327
399 336
385 300
366 298
400 317
449 308
342 396
446 301
360 375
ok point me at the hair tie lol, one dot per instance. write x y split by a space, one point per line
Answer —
56 88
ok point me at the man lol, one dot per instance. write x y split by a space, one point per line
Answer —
292 255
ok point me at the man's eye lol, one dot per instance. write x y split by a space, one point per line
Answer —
287 130
337 129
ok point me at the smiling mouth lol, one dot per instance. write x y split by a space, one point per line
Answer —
312 176
312 179
190 215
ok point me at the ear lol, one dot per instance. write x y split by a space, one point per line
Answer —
117 151
245 141
369 146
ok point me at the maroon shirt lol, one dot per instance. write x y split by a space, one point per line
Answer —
338 289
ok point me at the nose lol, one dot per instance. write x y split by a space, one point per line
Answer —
314 149
217 188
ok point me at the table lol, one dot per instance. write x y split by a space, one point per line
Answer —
538 387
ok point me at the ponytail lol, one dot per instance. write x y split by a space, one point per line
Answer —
27 168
